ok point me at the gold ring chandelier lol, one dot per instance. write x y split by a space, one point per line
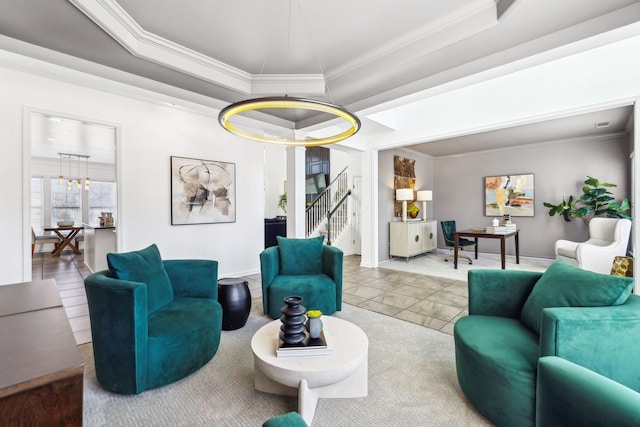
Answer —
285 102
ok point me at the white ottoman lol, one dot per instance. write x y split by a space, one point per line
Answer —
340 374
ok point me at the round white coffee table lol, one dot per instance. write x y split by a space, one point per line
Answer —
343 373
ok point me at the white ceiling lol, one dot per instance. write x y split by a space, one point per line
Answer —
52 135
595 124
365 53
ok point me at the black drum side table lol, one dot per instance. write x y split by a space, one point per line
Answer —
235 298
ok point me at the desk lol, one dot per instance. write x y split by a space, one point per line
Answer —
65 239
485 235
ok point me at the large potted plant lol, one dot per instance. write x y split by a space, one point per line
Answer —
596 200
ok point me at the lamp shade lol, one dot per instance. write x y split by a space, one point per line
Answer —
425 195
404 194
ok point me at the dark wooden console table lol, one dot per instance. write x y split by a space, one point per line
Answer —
483 234
41 370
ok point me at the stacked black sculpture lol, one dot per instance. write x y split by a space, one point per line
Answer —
292 330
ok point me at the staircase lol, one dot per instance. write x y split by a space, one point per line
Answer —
327 213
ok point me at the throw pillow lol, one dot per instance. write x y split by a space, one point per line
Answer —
144 266
565 285
300 256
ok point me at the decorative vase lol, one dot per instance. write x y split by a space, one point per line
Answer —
314 327
413 214
293 317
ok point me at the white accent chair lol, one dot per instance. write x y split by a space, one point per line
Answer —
608 238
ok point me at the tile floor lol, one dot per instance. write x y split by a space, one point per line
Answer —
433 302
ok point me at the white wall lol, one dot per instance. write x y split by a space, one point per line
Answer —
275 175
149 133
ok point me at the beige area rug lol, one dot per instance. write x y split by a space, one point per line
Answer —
434 264
412 382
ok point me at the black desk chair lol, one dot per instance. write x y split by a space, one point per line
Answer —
449 231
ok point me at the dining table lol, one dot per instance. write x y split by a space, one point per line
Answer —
66 235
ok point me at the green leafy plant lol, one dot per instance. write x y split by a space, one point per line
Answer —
282 202
596 200
412 211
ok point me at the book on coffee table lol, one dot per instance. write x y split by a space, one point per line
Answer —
309 347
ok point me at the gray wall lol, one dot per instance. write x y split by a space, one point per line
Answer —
559 168
386 192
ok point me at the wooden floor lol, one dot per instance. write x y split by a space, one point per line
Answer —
69 272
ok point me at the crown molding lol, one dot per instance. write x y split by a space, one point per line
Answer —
478 16
116 22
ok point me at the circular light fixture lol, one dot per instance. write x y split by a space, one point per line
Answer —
286 102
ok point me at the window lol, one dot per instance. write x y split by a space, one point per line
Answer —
66 203
102 198
37 203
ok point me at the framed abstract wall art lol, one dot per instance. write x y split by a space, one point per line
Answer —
202 191
509 195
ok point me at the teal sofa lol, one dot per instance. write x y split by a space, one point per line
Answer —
153 322
569 395
516 317
303 267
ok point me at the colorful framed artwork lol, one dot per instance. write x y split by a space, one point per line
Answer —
509 195
202 191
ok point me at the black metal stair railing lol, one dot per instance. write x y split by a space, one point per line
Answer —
330 208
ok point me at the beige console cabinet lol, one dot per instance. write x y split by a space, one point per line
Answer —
412 238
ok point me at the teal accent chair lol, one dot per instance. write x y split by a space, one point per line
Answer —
303 267
569 395
290 419
516 317
153 322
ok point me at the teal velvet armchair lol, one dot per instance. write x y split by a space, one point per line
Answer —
569 395
153 322
303 267
516 317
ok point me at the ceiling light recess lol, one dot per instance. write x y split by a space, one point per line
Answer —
286 102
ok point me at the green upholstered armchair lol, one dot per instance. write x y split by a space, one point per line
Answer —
303 267
569 395
515 317
152 321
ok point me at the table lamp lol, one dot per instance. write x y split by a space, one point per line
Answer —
423 196
404 194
